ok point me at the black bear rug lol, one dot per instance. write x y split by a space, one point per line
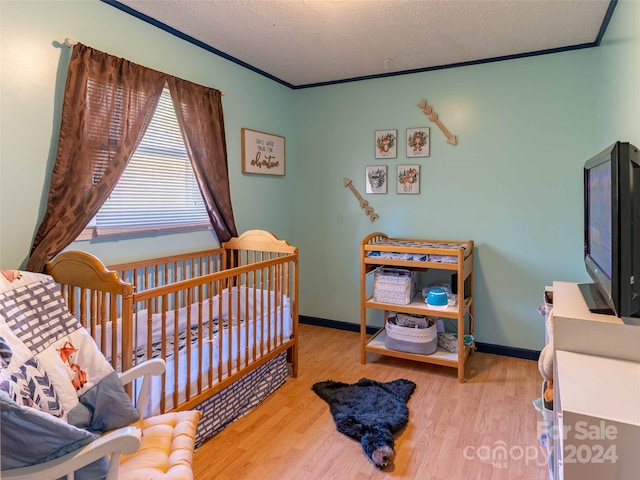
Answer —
369 411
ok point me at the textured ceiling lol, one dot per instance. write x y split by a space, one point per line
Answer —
308 42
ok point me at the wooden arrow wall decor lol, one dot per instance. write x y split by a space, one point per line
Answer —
363 203
433 116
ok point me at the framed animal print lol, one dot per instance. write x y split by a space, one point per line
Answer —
386 143
418 142
408 179
376 179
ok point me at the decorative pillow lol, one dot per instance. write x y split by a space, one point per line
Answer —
34 318
31 437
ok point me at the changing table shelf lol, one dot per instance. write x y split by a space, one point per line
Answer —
377 249
440 357
418 307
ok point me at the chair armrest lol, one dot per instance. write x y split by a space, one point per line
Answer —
153 367
146 369
124 440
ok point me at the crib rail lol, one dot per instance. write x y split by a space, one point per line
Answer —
146 274
249 303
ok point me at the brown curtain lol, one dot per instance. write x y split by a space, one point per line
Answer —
108 104
199 113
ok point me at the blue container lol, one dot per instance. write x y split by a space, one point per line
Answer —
437 297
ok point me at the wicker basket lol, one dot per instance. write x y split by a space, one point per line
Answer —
393 285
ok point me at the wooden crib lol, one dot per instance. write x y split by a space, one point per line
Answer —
216 317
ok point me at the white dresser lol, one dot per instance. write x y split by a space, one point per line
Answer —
596 391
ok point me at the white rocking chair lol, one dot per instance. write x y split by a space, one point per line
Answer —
129 459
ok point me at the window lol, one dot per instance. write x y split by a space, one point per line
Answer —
158 190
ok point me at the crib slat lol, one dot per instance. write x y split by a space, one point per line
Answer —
199 337
189 301
149 342
211 336
163 316
176 345
229 330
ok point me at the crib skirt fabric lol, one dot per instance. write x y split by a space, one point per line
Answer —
241 397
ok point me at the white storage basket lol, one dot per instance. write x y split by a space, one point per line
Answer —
423 341
393 285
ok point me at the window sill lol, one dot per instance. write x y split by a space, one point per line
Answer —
92 233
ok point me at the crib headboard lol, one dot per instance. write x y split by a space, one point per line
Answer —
255 246
260 241
84 270
96 296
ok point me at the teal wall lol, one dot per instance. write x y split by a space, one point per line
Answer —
512 184
619 77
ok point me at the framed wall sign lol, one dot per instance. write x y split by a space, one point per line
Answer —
262 153
408 179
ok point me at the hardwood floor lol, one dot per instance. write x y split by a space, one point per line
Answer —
485 428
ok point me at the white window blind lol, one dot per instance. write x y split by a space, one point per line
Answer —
158 189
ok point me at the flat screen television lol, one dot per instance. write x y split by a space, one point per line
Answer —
612 232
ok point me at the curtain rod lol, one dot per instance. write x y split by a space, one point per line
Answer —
69 42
